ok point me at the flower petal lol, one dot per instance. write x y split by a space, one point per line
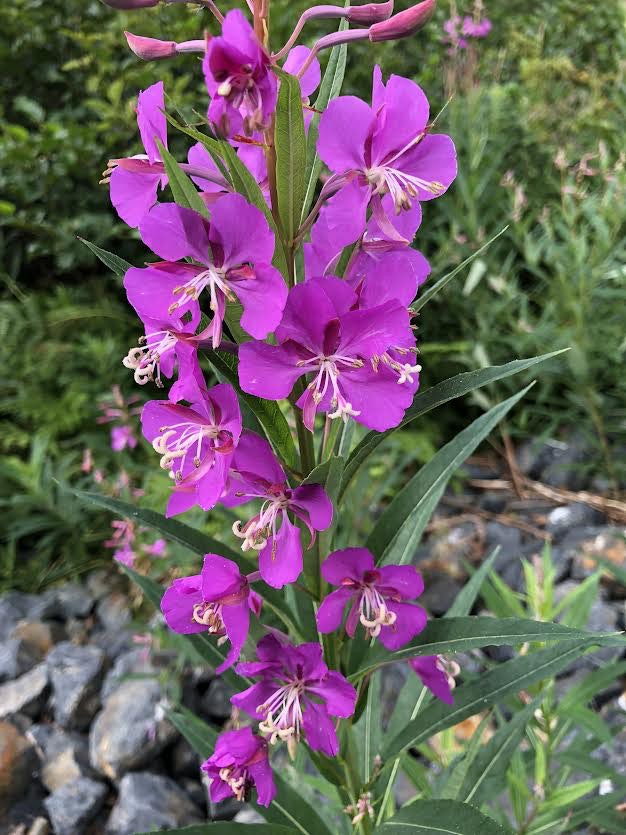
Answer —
151 119
263 777
338 693
263 298
427 668
133 194
402 118
268 371
347 564
220 577
404 580
254 697
345 127
432 160
178 602
315 502
237 623
242 232
376 395
330 612
320 730
410 621
280 562
174 232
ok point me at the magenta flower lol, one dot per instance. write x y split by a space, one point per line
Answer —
321 334
476 29
296 695
378 597
135 180
217 601
385 148
436 675
232 259
157 549
238 75
310 80
238 763
196 444
125 555
256 474
252 156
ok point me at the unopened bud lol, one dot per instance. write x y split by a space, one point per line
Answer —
403 24
369 13
152 49
127 5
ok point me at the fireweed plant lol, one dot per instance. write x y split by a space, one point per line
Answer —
303 298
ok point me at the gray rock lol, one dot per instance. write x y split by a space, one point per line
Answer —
67 758
534 455
603 617
27 814
613 754
99 583
17 762
16 658
439 593
114 642
128 663
184 762
563 519
72 807
493 502
25 694
113 611
150 802
46 606
569 467
14 606
196 791
130 731
76 674
41 635
216 701
74 600
607 543
248 815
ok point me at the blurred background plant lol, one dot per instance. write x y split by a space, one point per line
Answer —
536 105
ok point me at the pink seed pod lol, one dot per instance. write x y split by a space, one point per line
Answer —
403 24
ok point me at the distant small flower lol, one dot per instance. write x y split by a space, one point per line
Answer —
157 549
378 597
239 762
297 694
437 675
476 29
217 601
122 437
125 555
87 462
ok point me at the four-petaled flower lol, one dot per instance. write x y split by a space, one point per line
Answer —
232 258
256 474
217 601
296 695
135 180
322 335
196 444
238 763
239 78
378 596
437 675
385 148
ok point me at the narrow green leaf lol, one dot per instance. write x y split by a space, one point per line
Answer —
290 142
183 190
465 633
172 529
485 777
228 828
436 396
329 89
489 689
432 291
201 736
113 262
441 817
267 412
466 598
458 771
399 529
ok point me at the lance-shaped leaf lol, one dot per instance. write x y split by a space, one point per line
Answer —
426 401
183 190
267 412
109 259
466 598
465 633
201 736
290 143
399 529
172 529
441 817
490 688
329 89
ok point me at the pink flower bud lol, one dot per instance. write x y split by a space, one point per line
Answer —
369 13
150 49
125 5
403 24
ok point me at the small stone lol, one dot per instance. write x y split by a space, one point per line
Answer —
16 658
605 543
17 762
69 761
27 814
75 673
72 807
493 502
75 601
41 636
248 815
128 663
149 802
563 519
534 455
99 583
25 694
131 730
602 618
113 611
184 762
196 791
216 701
14 607
46 606
439 593
569 467
114 642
